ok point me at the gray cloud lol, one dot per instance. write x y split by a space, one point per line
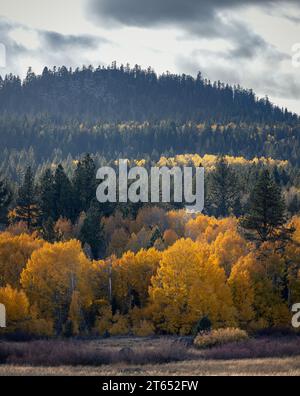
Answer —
198 18
57 41
53 48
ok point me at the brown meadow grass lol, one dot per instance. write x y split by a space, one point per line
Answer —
157 356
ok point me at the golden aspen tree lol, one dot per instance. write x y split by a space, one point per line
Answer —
75 312
229 247
266 270
51 276
242 289
292 260
17 307
14 254
132 275
205 228
188 286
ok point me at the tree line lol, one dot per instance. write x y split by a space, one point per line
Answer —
56 200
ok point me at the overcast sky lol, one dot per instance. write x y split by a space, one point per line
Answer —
247 42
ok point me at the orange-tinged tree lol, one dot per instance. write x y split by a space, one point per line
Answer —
229 247
170 237
205 228
177 220
118 242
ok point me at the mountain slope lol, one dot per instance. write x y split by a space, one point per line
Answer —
122 94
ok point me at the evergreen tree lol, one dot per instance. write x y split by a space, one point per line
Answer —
63 195
27 208
5 200
265 216
91 232
156 234
294 205
46 196
223 194
84 184
48 231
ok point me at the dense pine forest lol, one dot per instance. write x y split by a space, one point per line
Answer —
115 94
119 112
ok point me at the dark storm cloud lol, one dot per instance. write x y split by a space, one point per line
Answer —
163 12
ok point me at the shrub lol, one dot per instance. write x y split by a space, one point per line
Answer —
143 329
266 347
120 325
62 353
219 337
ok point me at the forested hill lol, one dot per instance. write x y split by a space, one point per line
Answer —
116 94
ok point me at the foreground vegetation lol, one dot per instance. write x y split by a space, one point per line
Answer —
151 356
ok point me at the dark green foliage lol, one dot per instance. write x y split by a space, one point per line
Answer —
91 232
84 184
27 205
68 330
5 200
30 141
294 206
63 195
48 232
46 197
224 190
204 324
265 218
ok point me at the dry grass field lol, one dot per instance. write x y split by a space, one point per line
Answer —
248 367
196 362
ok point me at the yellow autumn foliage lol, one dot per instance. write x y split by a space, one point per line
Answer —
132 275
17 306
14 253
189 285
53 273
